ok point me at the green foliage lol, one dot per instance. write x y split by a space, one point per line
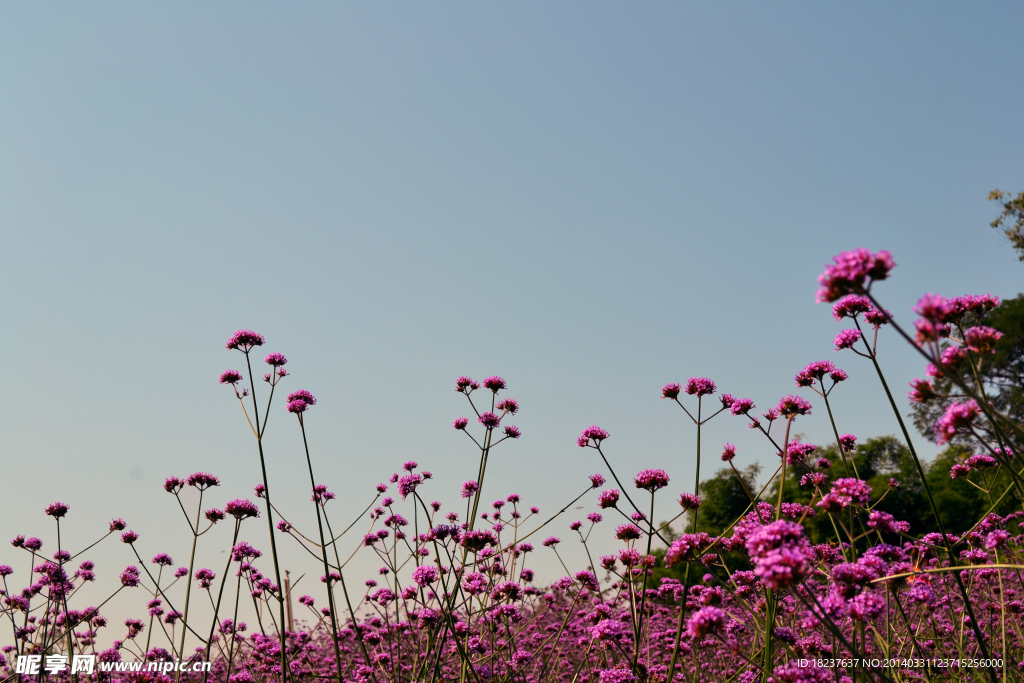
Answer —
1011 220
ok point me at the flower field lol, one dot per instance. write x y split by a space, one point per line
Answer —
867 597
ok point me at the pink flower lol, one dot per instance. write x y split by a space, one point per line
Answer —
699 386
592 433
464 385
846 339
923 390
852 272
651 480
245 340
791 406
706 620
489 420
982 339
230 377
957 417
608 499
689 501
671 391
728 452
494 383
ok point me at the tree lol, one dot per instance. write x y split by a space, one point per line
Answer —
1011 220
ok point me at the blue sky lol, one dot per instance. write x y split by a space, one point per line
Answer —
590 199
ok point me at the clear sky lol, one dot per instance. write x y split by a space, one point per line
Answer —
590 199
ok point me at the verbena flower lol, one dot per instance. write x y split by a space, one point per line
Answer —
728 452
494 383
245 340
847 338
592 434
689 501
230 377
699 386
57 510
608 499
791 406
651 480
852 272
705 621
958 417
241 508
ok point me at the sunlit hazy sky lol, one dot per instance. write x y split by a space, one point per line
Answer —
590 199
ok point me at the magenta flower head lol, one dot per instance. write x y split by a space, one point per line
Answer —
241 508
202 480
671 391
877 318
57 510
130 577
727 400
509 405
551 541
460 422
728 452
129 537
465 385
596 480
18 541
469 488
848 442
245 340
958 417
852 272
651 480
687 547
276 359
302 395
689 501
791 406
851 306
426 574
34 544
512 432
741 406
815 371
628 532
982 339
213 515
700 386
173 484
260 490
230 377
846 339
297 407
592 433
489 420
705 621
163 559
205 577
494 383
408 483
608 499
780 553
